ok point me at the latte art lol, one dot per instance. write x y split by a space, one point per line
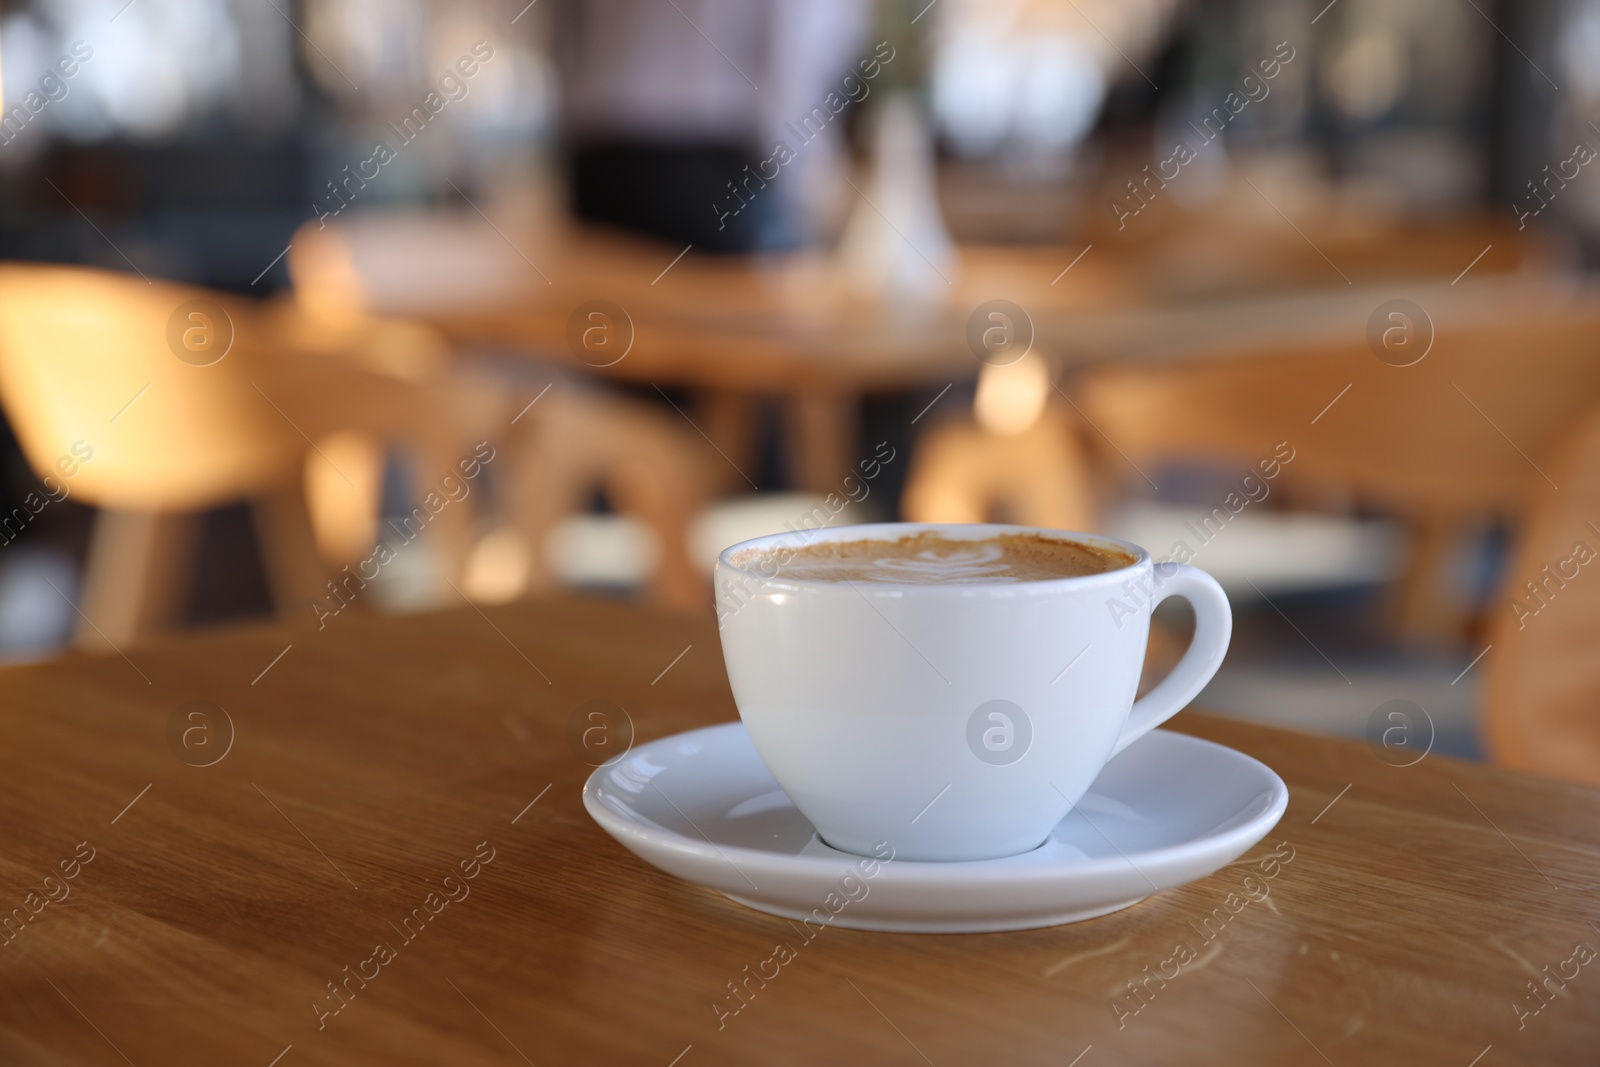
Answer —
931 559
984 561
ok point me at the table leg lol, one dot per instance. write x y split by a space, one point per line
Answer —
728 418
1425 607
137 577
822 427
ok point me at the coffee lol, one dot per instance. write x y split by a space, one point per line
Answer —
925 659
929 558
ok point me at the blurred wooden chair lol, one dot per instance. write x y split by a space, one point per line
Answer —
360 390
415 400
1016 458
192 399
579 439
1444 444
101 378
564 447
1541 673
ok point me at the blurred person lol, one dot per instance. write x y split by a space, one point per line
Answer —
712 122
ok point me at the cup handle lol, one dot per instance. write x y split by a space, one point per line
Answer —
1213 627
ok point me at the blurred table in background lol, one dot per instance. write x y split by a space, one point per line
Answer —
733 328
1208 338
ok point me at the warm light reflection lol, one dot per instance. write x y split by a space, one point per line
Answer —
1011 398
344 479
497 571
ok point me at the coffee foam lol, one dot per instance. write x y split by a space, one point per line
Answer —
929 558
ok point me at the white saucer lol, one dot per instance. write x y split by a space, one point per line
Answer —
702 805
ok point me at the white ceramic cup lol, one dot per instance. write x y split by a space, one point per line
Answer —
956 721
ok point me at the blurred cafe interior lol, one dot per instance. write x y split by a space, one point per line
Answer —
385 306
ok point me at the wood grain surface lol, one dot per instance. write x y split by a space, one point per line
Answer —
786 323
410 783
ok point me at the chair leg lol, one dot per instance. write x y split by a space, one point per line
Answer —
655 475
554 458
1424 607
947 480
666 497
729 419
450 531
821 427
296 575
136 577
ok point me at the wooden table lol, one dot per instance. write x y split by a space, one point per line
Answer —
797 322
1410 909
796 327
